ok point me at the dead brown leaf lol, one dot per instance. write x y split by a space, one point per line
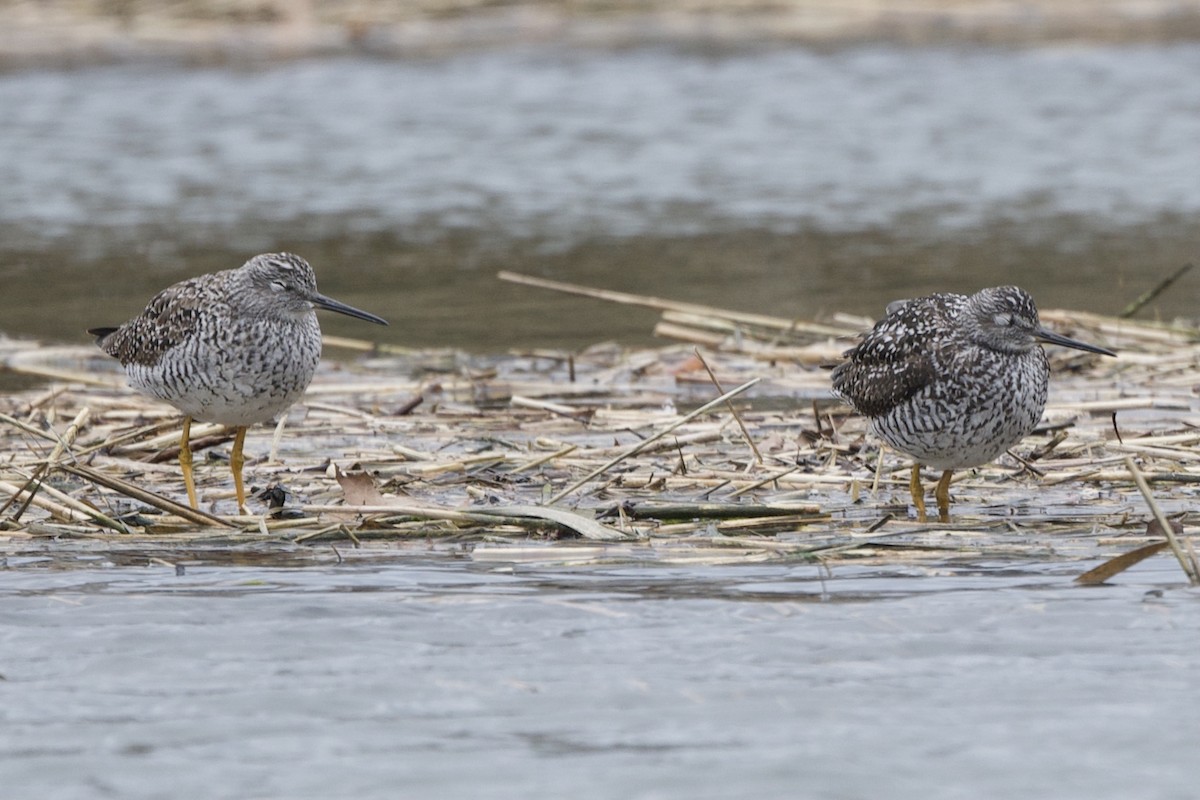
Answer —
1117 565
360 489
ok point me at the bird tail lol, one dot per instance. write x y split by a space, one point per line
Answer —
101 334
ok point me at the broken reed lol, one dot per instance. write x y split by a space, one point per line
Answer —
595 436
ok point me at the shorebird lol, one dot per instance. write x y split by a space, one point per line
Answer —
952 381
235 347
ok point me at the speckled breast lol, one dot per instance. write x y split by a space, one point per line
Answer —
236 377
982 405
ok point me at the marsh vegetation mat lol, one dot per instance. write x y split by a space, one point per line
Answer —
722 446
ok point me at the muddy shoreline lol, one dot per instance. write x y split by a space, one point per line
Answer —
58 33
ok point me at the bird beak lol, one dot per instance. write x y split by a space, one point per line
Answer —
1050 337
329 304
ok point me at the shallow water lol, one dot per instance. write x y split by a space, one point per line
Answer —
784 180
421 676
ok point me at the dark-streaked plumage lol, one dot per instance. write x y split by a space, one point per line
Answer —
952 381
235 347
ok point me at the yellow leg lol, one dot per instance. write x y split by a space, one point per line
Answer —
185 461
943 497
918 494
236 462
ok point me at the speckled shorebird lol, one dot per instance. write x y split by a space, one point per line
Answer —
952 381
235 347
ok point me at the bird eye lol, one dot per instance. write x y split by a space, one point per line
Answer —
278 286
1003 320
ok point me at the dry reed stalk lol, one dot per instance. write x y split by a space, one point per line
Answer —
110 441
363 387
517 401
646 509
651 448
29 493
1114 566
69 435
522 515
1117 476
773 478
762 344
660 304
793 478
1101 406
773 525
1154 291
1188 567
460 465
810 355
668 330
145 496
1190 438
171 438
732 410
32 430
64 376
1169 454
44 399
1125 331
367 346
548 457
341 411
67 507
409 453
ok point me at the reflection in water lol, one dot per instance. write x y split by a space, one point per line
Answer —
782 180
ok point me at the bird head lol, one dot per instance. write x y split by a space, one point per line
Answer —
287 282
1005 318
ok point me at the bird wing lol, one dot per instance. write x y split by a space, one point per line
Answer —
167 320
896 358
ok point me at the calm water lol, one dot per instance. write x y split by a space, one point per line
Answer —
785 180
427 678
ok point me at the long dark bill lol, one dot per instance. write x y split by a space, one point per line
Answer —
329 304
1050 337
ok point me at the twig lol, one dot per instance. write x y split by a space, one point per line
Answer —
658 303
537 462
129 436
1154 292
65 376
68 437
736 416
367 346
579 414
680 511
521 515
1114 566
27 428
764 481
150 498
1168 531
61 510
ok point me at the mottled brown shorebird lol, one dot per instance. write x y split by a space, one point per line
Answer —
235 347
952 381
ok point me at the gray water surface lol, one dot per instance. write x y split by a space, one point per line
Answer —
783 180
419 677
559 145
